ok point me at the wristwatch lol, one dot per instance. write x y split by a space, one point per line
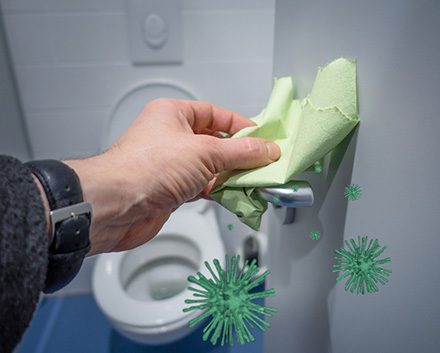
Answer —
70 219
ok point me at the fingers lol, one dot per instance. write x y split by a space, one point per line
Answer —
206 116
244 153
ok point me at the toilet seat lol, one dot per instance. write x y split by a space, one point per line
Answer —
186 227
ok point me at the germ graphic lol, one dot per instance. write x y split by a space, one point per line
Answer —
295 188
318 168
315 235
276 199
353 192
360 264
228 301
230 227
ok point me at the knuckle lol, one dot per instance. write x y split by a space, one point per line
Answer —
251 148
213 156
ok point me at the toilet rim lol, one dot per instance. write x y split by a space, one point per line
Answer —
135 313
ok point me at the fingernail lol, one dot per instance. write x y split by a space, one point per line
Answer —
273 151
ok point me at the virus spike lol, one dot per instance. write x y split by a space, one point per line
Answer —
256 282
197 290
242 270
208 284
380 252
199 318
228 270
229 302
360 264
234 264
218 279
220 271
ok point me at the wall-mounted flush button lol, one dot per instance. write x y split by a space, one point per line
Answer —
155 31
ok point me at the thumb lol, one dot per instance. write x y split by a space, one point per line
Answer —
245 153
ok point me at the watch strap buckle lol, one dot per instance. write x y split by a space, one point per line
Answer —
72 211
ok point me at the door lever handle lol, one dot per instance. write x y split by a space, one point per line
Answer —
293 194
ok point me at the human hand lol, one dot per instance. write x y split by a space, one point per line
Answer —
169 155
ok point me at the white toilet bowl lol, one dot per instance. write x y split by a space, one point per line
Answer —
142 291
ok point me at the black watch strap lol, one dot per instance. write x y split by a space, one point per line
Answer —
70 220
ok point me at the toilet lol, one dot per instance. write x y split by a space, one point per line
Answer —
142 291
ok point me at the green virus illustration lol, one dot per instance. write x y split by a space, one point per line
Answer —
276 199
295 188
315 235
318 168
353 192
360 264
227 299
230 227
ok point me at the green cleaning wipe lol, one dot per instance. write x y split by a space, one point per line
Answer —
305 132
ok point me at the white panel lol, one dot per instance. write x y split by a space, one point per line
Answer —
89 38
232 35
66 134
29 38
75 5
39 88
250 81
13 136
227 4
23 5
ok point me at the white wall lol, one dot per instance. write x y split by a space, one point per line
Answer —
72 63
13 139
395 159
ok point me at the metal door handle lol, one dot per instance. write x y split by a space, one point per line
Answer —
295 193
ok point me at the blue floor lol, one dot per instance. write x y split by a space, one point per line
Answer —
76 324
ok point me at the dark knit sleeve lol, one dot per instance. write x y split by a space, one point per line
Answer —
23 250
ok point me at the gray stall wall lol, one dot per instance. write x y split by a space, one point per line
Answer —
13 140
393 156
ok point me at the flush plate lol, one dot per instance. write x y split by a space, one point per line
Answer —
154 31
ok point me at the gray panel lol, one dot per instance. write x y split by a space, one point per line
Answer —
393 157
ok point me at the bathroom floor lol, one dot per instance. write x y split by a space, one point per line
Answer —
76 325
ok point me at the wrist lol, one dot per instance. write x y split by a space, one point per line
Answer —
107 187
69 220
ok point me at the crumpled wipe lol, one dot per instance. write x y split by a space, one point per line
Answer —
305 131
